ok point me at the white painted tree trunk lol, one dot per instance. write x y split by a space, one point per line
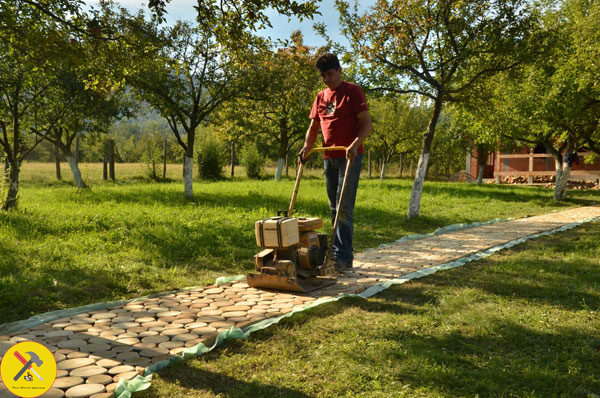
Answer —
415 196
414 205
563 171
13 186
75 171
188 170
279 170
382 175
480 175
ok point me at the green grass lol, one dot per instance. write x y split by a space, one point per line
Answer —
64 248
522 323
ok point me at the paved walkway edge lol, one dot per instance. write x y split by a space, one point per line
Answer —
125 389
40 319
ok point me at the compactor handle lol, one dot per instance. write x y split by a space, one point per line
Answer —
321 149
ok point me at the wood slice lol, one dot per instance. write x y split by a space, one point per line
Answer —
120 369
84 390
126 375
154 352
88 371
185 337
155 339
100 379
69 364
73 344
53 393
107 363
67 382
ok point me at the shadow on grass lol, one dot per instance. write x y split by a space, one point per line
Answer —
220 384
448 334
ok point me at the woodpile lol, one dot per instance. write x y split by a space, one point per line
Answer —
548 182
525 180
577 185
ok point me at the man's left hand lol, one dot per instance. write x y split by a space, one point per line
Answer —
351 153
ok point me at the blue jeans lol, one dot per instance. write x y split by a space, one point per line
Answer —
334 178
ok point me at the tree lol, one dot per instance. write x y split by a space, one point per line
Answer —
288 82
26 75
439 50
396 125
182 72
83 99
551 101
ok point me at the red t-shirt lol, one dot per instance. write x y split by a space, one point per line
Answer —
336 110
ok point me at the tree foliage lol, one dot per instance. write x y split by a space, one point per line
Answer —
440 50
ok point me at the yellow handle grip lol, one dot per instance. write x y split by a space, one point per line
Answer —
325 148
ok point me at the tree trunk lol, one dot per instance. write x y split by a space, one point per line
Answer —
104 168
414 205
13 185
111 159
468 164
72 160
383 166
232 157
480 174
188 169
165 158
77 151
57 161
279 169
400 165
563 170
287 166
369 155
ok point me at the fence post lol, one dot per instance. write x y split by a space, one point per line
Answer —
530 176
111 159
369 160
165 158
232 157
57 161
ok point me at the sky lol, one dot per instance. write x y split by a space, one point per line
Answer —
282 28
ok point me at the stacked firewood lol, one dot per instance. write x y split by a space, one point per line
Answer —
577 185
548 182
525 179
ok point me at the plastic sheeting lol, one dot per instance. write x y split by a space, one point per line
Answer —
126 388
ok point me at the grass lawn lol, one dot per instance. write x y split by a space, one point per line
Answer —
65 247
522 323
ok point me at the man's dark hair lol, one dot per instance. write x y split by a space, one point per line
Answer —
327 62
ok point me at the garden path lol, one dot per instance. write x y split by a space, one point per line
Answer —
94 350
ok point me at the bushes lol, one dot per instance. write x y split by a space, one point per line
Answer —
211 159
252 161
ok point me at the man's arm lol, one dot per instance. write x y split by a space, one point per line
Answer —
311 137
364 129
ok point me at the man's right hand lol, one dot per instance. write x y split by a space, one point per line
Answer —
303 155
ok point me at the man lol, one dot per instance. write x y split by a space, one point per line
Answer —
340 111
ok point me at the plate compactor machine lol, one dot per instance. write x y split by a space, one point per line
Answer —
296 257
